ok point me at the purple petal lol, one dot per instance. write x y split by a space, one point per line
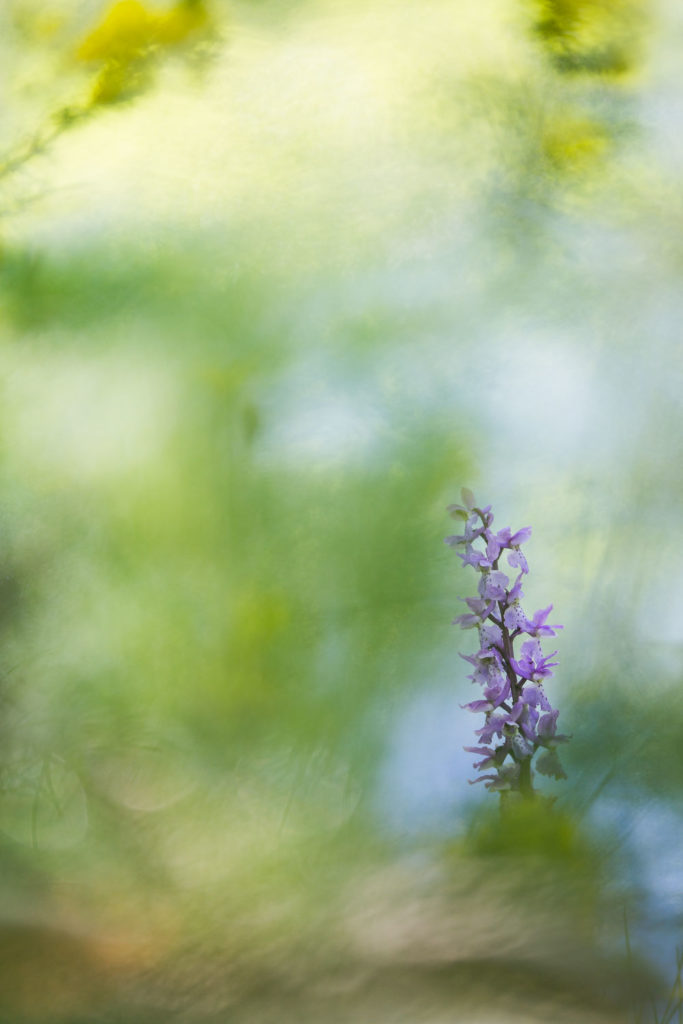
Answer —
524 667
537 625
498 692
517 560
490 634
548 724
466 621
480 607
535 696
492 549
516 713
528 724
532 649
475 558
478 705
493 584
493 727
521 537
540 616
514 617
473 528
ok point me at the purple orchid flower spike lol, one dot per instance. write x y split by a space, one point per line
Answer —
519 719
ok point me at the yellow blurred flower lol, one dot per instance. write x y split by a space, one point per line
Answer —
181 21
591 36
126 30
574 142
116 80
129 34
129 29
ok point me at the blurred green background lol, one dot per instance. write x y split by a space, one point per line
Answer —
276 279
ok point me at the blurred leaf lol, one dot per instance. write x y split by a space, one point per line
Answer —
42 804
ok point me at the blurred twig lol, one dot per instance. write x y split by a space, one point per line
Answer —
57 124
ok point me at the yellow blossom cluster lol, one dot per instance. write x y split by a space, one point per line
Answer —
129 35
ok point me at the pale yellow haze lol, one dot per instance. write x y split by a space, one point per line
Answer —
339 104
